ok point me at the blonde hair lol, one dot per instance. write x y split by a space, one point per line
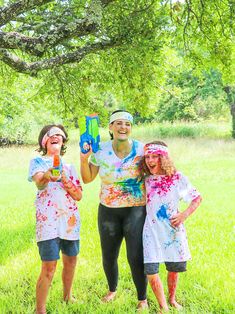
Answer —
166 163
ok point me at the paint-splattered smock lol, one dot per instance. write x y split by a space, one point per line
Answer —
161 241
56 211
121 182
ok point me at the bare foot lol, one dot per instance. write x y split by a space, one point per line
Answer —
41 312
72 299
142 305
176 305
109 297
163 311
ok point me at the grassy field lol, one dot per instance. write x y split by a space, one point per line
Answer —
207 287
203 129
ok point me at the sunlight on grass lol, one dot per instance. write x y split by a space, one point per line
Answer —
207 287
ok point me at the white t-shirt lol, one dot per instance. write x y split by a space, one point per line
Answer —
161 241
56 211
121 181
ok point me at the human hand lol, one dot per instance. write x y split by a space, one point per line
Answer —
64 178
84 157
48 176
68 184
177 219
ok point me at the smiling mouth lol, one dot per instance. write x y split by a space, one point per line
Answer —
152 167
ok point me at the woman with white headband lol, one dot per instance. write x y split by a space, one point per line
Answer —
122 202
57 216
164 236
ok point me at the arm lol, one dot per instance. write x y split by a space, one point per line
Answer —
179 218
88 171
43 178
74 190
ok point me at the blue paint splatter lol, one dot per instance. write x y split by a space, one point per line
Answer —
133 152
119 170
110 153
132 186
161 213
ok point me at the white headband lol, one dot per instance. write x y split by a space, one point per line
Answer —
157 149
53 131
121 115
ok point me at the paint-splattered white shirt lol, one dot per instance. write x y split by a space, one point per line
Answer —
121 181
56 212
161 241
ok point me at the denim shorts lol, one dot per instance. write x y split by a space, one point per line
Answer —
49 250
176 267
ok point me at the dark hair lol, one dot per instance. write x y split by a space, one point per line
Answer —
120 110
43 131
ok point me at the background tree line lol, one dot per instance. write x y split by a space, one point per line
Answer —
162 60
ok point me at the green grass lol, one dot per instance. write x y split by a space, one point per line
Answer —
207 287
209 130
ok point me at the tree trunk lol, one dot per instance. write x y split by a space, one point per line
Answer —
230 91
233 119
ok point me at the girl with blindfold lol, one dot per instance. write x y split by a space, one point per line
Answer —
57 216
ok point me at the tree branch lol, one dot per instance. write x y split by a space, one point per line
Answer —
147 7
14 40
33 67
188 9
38 45
11 11
106 2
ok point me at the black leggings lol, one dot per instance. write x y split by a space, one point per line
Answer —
114 224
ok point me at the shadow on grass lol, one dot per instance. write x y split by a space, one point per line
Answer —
15 241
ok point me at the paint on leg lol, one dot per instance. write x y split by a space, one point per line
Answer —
158 290
172 280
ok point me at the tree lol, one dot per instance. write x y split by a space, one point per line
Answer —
43 34
230 91
193 98
83 51
47 34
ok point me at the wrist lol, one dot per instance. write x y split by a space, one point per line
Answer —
68 185
46 176
84 160
185 215
41 186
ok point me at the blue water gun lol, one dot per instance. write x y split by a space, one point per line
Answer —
89 133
